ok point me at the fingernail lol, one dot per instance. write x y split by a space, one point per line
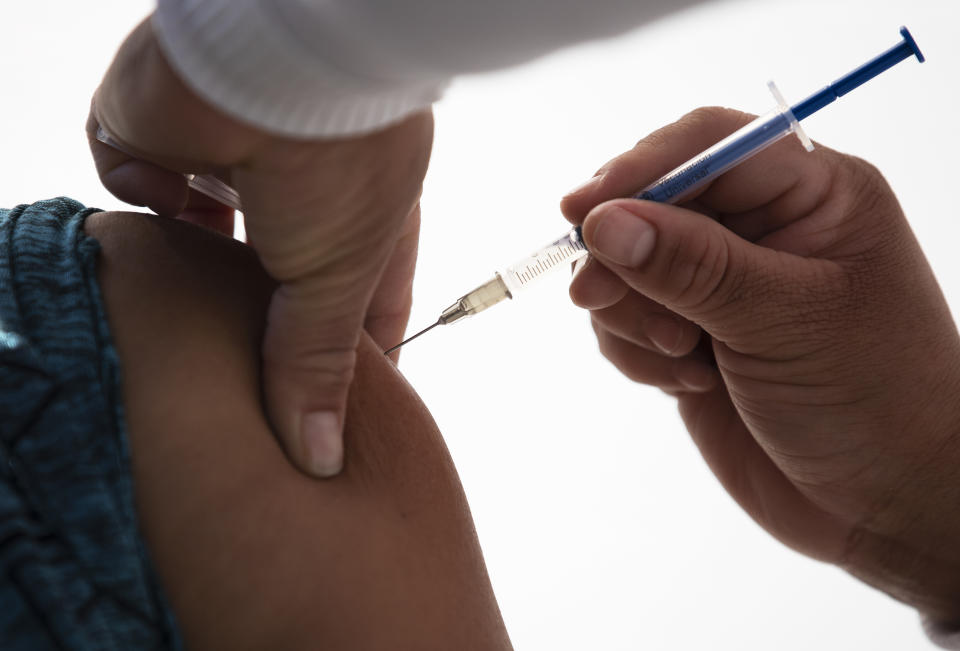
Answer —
623 237
322 442
589 183
695 376
663 332
578 266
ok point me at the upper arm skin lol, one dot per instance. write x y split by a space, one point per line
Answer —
252 553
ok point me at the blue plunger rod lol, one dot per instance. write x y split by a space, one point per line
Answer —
903 50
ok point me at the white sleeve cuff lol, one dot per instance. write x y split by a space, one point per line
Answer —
237 56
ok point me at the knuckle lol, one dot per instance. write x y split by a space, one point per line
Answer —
865 181
661 150
309 363
703 118
704 277
871 209
711 115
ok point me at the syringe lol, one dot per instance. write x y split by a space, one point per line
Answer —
511 280
676 185
207 184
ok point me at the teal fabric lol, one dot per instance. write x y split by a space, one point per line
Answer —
75 570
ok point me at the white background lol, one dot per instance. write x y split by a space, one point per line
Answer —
601 525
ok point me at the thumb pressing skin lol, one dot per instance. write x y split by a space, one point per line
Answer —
308 367
698 268
325 218
314 321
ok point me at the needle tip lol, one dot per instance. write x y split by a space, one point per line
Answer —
409 339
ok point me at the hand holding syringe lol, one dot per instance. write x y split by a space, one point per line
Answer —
673 187
681 182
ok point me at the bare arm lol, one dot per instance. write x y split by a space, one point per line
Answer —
252 553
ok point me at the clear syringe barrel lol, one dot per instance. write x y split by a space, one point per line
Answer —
743 143
525 272
518 276
673 187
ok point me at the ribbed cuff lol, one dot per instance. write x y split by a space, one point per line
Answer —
238 57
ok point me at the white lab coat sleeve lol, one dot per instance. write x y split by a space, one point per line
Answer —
327 68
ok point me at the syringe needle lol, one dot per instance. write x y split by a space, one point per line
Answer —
489 293
409 339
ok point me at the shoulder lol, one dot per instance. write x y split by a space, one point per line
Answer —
252 552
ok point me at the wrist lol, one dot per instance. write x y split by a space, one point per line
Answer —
927 580
909 544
